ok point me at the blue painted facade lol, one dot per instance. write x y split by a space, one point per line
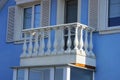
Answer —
106 47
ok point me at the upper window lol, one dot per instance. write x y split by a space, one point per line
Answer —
31 17
114 13
104 15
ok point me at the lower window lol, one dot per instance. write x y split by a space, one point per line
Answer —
54 73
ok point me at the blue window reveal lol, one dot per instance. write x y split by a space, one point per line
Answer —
114 13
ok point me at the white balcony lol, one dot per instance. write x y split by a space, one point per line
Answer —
59 44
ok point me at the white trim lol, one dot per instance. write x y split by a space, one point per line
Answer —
14 74
60 11
79 11
66 73
26 74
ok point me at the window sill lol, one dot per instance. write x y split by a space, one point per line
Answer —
110 30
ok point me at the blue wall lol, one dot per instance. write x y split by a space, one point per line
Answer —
106 47
9 53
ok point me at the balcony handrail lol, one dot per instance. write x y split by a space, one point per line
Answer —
79 43
59 25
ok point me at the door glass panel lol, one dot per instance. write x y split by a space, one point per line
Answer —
27 18
59 74
71 11
37 15
20 75
39 74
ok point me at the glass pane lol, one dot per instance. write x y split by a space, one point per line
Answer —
37 13
59 74
71 11
27 18
39 74
114 13
20 74
81 74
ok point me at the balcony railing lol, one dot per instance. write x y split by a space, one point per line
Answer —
73 38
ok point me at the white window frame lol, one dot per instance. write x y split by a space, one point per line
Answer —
103 27
61 11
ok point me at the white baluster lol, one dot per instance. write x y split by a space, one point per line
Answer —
36 44
69 40
30 44
86 42
76 39
24 46
81 40
91 45
49 42
55 42
62 40
42 43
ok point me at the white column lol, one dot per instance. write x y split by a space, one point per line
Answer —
81 39
66 73
51 73
36 46
55 42
24 46
49 42
86 42
42 44
26 75
62 40
30 48
76 39
14 74
91 45
69 40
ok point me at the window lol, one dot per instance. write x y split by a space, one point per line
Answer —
32 17
54 73
114 13
104 15
25 15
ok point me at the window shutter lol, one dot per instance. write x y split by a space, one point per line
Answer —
93 13
10 24
45 13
